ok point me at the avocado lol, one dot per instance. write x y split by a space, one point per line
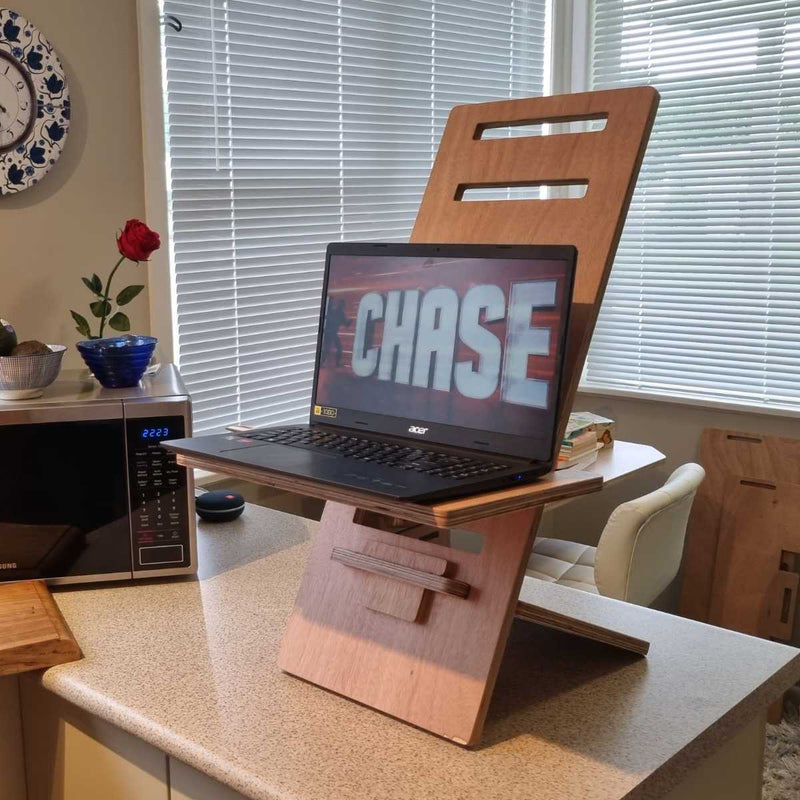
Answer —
31 348
8 338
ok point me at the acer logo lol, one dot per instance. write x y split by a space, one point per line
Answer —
417 429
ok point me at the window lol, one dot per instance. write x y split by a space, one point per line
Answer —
294 123
704 296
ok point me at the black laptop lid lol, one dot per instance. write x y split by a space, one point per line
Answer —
451 344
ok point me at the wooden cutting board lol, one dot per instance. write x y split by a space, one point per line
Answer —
33 634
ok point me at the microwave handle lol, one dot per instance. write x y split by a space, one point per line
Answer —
79 412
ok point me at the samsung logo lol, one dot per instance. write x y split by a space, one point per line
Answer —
417 429
8 565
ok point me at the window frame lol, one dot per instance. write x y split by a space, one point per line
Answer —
160 275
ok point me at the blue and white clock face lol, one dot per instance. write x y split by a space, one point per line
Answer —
16 103
34 104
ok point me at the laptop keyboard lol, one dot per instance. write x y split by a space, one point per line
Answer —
431 462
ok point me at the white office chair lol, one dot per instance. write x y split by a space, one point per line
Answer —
640 549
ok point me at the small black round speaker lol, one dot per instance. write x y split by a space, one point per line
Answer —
219 506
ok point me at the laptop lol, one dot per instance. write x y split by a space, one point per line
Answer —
438 372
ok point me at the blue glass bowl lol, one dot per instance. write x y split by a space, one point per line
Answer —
119 345
119 361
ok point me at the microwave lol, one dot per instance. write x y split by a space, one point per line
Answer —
87 493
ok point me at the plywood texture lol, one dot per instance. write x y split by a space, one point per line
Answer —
439 674
397 596
550 618
607 161
726 454
760 521
33 634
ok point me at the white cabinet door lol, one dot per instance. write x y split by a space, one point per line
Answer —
71 755
187 783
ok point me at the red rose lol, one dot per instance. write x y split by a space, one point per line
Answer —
137 241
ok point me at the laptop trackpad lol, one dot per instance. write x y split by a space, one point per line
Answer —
318 463
276 456
283 450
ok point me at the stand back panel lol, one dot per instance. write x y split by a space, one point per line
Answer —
606 162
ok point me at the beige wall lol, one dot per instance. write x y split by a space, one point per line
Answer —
64 227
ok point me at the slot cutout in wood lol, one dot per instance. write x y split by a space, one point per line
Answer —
535 190
789 561
457 539
552 126
787 605
466 541
734 437
759 484
780 607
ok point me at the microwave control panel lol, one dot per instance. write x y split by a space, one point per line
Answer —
158 488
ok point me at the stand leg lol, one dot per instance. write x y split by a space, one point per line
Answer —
549 618
430 656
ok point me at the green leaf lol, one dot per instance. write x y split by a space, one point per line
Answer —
100 308
83 326
127 294
92 286
97 284
120 322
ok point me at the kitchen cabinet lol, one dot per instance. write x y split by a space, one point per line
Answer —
12 772
72 755
186 783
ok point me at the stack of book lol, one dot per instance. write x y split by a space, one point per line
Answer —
586 433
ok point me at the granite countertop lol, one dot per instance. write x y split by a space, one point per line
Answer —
190 666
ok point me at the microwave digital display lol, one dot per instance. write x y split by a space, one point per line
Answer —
158 434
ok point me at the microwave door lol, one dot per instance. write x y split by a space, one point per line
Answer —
64 495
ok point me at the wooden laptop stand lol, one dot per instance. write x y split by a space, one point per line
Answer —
413 627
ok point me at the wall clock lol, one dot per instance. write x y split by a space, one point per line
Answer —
34 104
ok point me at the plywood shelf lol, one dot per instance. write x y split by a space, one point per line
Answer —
447 514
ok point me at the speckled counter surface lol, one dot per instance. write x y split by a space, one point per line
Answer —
189 666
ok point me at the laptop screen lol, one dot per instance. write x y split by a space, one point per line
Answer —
454 344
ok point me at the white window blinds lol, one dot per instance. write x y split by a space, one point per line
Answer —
704 297
294 123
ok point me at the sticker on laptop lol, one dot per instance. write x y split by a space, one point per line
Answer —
325 411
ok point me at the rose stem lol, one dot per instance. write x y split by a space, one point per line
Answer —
105 295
